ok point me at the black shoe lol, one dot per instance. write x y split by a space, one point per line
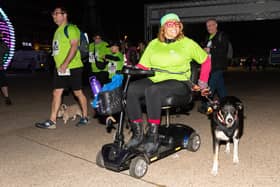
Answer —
206 110
137 135
48 124
8 101
202 109
152 140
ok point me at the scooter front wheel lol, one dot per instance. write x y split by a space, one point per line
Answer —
138 167
99 159
110 123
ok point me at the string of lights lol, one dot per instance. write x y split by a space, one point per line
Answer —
8 36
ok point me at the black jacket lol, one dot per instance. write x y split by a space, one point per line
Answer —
218 51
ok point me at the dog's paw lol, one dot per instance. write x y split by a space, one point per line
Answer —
227 150
214 172
235 160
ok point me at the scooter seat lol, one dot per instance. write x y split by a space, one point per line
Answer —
176 101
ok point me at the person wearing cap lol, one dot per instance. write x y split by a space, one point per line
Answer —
115 59
171 52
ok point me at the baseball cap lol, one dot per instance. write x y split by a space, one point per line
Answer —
114 43
169 17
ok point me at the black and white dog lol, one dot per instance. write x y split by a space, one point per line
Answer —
226 126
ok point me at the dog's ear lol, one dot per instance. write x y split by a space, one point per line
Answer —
239 106
64 106
215 106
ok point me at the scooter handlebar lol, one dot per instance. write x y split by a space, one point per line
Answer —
204 92
137 71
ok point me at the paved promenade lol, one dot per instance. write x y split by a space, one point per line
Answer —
66 156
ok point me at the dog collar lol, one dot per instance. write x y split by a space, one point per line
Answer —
221 124
221 118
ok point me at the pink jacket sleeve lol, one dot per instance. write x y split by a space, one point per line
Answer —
205 70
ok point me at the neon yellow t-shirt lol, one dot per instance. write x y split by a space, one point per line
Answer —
61 46
174 57
101 50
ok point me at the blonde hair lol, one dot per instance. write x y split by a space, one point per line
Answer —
161 33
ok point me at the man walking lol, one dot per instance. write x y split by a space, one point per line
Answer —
216 46
69 67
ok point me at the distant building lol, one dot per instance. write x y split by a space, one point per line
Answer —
31 60
274 56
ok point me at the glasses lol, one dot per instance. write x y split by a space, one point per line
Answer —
56 13
172 24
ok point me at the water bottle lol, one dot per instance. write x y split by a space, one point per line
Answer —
185 141
95 85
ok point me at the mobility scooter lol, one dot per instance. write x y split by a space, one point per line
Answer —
117 157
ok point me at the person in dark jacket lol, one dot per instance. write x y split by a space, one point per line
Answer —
216 46
3 79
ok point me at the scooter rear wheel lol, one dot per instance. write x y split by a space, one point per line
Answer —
194 142
138 167
99 159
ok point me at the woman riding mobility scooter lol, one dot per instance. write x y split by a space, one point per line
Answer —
117 156
167 61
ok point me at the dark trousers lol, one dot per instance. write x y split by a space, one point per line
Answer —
3 78
217 84
152 94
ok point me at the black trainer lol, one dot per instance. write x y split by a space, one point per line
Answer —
202 109
83 121
8 101
48 124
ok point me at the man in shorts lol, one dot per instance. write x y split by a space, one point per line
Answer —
69 67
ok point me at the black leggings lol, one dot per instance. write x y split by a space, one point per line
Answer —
152 93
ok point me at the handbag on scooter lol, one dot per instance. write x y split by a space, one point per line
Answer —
110 102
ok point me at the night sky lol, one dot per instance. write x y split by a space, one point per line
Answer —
32 18
32 21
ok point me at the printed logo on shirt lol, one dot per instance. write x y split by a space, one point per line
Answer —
55 47
91 57
112 67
